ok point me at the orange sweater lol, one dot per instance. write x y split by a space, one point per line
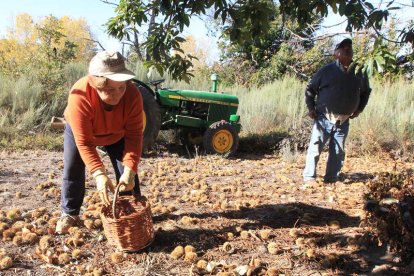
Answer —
93 126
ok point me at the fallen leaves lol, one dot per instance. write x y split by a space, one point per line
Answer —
235 216
390 210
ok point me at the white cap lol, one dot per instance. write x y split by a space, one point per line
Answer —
110 65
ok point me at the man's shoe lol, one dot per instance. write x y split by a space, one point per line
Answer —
330 181
65 222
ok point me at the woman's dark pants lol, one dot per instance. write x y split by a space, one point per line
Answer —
73 187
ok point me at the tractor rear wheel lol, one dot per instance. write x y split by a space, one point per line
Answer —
221 138
152 117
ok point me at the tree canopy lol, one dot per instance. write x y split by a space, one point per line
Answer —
43 48
242 20
51 40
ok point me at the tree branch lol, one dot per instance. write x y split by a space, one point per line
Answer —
291 67
96 41
405 5
127 42
383 37
320 37
331 26
110 3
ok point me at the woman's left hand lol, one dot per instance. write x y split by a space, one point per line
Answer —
103 185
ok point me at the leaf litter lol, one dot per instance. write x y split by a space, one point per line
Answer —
250 215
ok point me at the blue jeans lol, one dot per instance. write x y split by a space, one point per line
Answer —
73 185
323 130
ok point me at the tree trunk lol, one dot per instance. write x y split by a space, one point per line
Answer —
150 29
137 46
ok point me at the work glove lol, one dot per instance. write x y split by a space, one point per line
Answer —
127 180
103 185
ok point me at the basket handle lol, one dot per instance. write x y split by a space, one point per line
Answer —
116 195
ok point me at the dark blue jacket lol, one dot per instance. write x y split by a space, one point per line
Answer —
332 90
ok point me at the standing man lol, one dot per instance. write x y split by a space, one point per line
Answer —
333 96
104 109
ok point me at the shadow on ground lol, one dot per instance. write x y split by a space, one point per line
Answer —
277 217
250 147
353 177
4 174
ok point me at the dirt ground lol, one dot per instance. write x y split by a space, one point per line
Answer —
249 215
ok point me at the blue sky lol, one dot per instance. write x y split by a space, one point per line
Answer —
95 12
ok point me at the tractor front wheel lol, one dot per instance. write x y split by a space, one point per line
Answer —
221 138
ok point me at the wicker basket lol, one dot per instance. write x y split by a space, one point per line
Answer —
128 224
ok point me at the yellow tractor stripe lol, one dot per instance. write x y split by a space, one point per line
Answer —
201 100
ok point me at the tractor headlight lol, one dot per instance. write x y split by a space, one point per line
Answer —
234 118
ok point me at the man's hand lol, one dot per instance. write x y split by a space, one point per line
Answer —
103 184
312 114
127 180
355 114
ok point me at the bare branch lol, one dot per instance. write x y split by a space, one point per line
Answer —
405 5
331 26
297 72
110 3
321 37
96 41
383 37
126 42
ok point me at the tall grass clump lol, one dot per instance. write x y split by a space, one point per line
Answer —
20 102
72 72
25 105
388 120
386 123
275 106
26 108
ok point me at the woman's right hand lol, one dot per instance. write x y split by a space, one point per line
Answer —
103 185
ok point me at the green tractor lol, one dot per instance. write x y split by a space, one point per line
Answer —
201 118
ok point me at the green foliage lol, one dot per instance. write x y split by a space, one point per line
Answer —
360 14
288 60
266 57
249 20
278 67
50 62
35 76
43 49
244 22
379 61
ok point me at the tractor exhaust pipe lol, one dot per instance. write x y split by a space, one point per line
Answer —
214 78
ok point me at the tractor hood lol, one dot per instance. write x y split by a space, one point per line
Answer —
171 96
